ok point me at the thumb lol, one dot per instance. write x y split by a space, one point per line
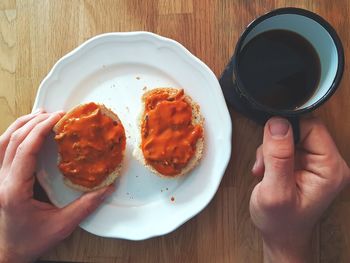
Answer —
278 154
74 213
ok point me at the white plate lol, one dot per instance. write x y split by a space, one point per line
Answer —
114 69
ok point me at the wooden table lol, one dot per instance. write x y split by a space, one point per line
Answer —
36 33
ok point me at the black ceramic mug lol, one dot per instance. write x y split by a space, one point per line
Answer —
325 41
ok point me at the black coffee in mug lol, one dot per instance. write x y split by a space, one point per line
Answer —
286 63
280 69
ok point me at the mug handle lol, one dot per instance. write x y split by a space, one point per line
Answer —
295 122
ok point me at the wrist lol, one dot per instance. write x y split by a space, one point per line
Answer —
287 251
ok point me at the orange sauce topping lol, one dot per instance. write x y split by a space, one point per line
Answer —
168 136
91 146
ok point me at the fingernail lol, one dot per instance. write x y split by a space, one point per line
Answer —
278 127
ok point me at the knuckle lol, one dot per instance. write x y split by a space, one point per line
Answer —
14 138
89 205
11 196
279 164
20 150
21 120
281 150
6 201
38 130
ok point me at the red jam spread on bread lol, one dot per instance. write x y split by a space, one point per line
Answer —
90 144
168 136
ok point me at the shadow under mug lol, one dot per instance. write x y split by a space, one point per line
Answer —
326 43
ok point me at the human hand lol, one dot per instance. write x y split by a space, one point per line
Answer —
298 184
29 227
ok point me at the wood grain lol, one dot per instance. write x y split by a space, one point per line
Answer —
34 34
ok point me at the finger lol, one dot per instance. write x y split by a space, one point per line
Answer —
259 167
25 159
73 214
319 153
315 138
18 137
278 154
43 206
5 137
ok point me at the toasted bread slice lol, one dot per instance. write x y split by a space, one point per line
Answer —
112 176
197 119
